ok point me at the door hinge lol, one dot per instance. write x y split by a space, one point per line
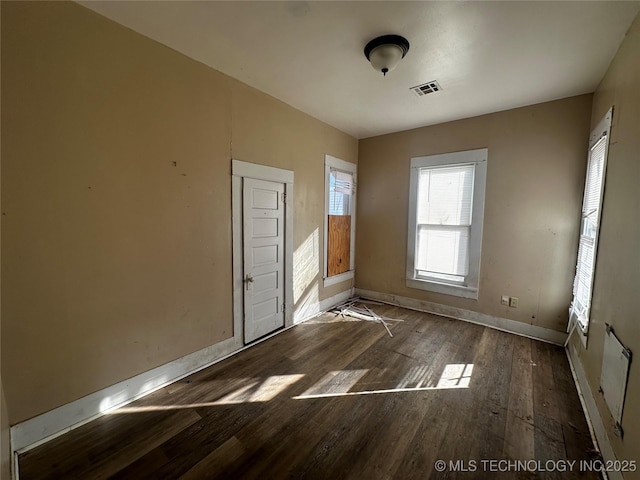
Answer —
284 307
284 198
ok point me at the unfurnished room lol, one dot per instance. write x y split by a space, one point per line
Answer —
320 240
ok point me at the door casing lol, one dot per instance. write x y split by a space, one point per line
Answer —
240 170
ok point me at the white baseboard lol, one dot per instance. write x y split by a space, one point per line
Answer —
591 412
504 324
310 309
38 430
47 426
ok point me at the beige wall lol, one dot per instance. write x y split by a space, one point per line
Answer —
617 275
268 131
5 449
535 176
115 261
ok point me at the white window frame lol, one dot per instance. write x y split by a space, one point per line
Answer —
479 159
337 164
602 129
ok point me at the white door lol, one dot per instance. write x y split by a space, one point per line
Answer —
263 252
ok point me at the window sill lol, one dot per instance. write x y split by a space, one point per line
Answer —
447 289
581 326
343 277
583 330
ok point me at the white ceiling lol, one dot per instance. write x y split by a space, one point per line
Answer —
487 56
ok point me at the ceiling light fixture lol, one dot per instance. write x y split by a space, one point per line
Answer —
385 52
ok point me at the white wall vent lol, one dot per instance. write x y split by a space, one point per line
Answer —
615 374
425 88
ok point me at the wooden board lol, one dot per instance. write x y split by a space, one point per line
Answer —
339 244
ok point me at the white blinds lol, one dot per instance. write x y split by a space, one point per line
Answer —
445 202
594 185
344 182
445 195
341 187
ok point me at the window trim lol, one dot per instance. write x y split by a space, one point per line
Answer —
602 128
335 163
479 158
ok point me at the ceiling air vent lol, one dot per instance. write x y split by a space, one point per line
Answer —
429 87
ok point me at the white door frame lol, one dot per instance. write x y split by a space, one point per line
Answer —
240 170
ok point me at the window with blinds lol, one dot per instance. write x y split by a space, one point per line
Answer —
445 200
340 190
339 220
587 247
446 208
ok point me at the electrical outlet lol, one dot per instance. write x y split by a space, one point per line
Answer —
504 300
513 302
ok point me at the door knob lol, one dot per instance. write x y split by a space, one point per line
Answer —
248 279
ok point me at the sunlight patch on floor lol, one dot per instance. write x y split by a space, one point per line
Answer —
255 391
456 375
338 384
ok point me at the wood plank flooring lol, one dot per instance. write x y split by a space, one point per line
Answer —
338 398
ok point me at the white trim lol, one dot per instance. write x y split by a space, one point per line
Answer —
591 412
47 426
309 310
15 467
343 277
479 158
261 172
575 326
602 129
335 162
237 255
447 289
240 170
329 163
503 324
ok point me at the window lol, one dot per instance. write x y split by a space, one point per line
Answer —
590 224
339 223
340 191
446 208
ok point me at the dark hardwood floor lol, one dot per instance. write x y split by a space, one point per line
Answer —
331 399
